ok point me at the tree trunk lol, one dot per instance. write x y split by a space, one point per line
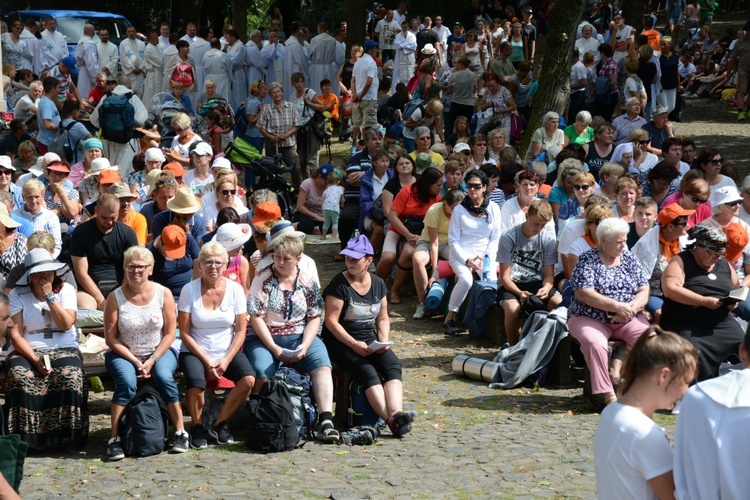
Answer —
554 86
239 18
633 12
355 23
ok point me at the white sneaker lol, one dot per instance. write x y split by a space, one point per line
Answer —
421 312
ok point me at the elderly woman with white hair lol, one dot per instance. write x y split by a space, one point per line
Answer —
580 132
611 292
546 139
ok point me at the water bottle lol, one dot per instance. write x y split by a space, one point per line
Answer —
486 268
435 294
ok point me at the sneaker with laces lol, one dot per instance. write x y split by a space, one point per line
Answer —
353 150
221 433
451 328
421 312
198 437
114 449
741 116
181 442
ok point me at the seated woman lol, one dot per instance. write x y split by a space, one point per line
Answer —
178 94
233 237
514 210
407 221
694 283
527 256
627 190
547 139
632 453
213 320
225 194
179 150
356 316
609 174
610 294
309 213
284 305
561 193
174 254
583 187
659 182
693 194
592 217
433 245
47 396
473 232
580 131
140 325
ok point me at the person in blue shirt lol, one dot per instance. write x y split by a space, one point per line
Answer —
178 95
77 133
48 115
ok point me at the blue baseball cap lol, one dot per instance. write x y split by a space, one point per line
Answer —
326 169
370 44
70 63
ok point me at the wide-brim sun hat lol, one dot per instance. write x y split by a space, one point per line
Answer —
184 202
281 229
5 219
725 194
99 165
232 236
37 261
428 49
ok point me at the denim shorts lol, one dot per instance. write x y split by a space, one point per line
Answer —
265 364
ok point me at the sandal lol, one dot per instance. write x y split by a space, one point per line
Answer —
327 433
400 423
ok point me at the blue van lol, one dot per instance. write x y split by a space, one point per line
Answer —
70 23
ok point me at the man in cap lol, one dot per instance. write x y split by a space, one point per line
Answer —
181 210
365 85
64 72
97 247
127 214
659 129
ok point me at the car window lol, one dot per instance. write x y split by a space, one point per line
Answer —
72 27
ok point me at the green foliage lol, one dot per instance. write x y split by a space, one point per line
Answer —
257 14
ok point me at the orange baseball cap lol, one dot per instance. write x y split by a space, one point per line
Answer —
671 212
174 241
737 239
266 211
175 167
109 177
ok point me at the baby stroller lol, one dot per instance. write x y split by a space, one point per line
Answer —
216 102
265 173
164 107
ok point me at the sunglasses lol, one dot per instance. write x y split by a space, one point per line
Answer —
581 187
680 223
7 172
474 186
228 191
717 161
425 138
698 200
466 153
643 143
166 182
734 203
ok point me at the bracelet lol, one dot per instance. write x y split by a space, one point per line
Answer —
50 298
154 357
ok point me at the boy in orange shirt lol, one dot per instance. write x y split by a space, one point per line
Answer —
330 101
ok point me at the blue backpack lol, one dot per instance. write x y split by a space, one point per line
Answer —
117 118
240 122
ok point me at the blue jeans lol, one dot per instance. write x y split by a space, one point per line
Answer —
265 364
125 377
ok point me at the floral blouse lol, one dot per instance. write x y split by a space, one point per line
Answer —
285 312
619 283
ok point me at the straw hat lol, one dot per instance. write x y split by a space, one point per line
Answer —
5 219
184 202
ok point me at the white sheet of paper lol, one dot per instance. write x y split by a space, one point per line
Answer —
376 345
288 353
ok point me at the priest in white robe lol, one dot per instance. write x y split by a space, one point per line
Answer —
197 51
236 54
322 53
131 60
403 64
33 56
153 67
218 68
295 61
256 66
109 54
57 47
87 60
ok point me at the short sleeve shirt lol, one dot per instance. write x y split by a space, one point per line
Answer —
435 218
47 111
365 68
38 321
360 311
104 252
527 256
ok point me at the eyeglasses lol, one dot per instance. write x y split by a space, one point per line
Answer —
136 269
166 182
717 161
680 223
228 191
474 186
581 187
734 203
213 263
425 138
698 200
8 172
643 143
466 153
714 255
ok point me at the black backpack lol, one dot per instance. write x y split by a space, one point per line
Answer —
299 387
144 424
61 143
117 118
271 423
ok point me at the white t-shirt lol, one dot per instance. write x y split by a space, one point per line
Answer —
37 320
573 230
629 449
577 73
21 111
199 187
387 33
511 215
213 331
365 68
578 247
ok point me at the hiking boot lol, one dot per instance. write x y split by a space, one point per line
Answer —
181 442
198 437
741 116
114 449
362 435
451 328
221 433
421 312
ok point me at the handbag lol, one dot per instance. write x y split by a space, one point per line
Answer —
376 210
414 224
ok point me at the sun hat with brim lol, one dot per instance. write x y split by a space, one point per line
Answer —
38 260
154 154
92 143
428 49
202 149
36 168
5 219
175 168
266 211
708 237
737 239
281 229
109 177
70 63
99 165
153 177
184 202
232 236
725 194
174 241
658 110
671 212
358 247
6 163
423 162
58 167
122 190
221 162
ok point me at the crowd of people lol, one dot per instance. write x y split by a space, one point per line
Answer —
607 216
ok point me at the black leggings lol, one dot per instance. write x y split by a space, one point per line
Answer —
305 223
369 371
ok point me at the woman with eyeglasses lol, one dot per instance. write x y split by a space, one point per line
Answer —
179 151
709 162
692 195
140 324
610 294
583 187
497 140
421 119
695 283
659 182
225 195
473 232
